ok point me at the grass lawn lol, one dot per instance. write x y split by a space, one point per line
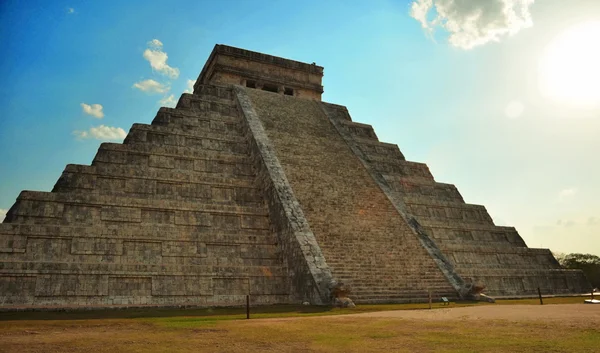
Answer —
289 329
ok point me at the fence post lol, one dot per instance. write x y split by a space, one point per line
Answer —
540 294
429 298
247 306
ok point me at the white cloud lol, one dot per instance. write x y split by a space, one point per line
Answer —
567 193
190 86
2 214
155 43
80 135
94 110
102 132
151 86
158 59
168 101
473 22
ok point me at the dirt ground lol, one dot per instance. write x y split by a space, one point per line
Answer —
558 312
486 328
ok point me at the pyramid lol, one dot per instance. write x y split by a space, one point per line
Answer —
253 185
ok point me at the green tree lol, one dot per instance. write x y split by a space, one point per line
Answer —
588 263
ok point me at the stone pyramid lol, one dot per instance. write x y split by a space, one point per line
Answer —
253 185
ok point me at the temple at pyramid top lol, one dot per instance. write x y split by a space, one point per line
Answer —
230 65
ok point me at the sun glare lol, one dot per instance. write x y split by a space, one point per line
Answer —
570 67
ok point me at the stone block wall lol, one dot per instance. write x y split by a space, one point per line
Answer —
172 216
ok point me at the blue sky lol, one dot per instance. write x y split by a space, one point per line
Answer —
487 103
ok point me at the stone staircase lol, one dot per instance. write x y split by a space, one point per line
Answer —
366 245
473 245
173 215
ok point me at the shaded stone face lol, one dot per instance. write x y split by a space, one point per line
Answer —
252 185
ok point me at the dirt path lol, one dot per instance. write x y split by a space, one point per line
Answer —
561 312
566 313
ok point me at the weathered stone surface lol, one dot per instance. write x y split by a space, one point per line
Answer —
366 245
343 302
461 238
172 216
259 189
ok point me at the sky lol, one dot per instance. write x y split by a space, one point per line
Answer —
499 97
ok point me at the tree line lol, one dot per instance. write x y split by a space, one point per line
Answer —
588 263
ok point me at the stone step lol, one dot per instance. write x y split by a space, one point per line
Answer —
336 111
400 290
386 279
390 266
398 287
464 233
493 249
402 281
396 271
199 145
85 177
414 300
391 178
153 189
378 148
130 202
406 289
359 130
384 264
504 262
213 92
468 271
459 243
134 253
403 169
143 152
199 121
421 297
203 161
156 135
65 208
431 208
522 281
385 158
401 294
142 131
142 269
137 251
198 103
14 234
408 186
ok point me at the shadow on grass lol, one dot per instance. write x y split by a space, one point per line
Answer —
236 313
153 312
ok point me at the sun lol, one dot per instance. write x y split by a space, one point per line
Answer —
569 70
